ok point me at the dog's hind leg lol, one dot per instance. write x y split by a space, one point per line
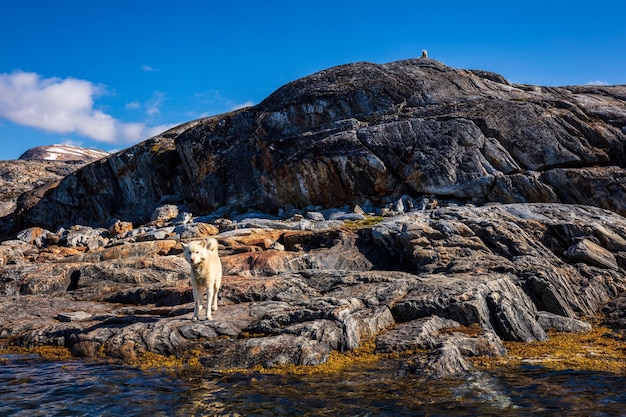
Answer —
209 299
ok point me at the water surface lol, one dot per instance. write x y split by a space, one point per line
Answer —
34 387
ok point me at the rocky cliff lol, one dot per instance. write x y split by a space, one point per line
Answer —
367 132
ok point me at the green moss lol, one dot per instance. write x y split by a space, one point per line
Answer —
597 350
189 360
472 330
362 224
162 145
46 352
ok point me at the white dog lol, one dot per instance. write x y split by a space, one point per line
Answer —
206 274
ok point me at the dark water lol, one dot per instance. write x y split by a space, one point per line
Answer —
33 387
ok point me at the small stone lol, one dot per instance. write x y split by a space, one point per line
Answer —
164 213
34 235
591 253
400 206
120 227
560 323
74 316
316 216
196 230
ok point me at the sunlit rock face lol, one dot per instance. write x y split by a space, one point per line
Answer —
433 288
372 132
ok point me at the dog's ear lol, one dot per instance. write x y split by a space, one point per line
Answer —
185 246
212 244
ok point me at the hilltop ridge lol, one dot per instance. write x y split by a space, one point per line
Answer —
367 132
63 153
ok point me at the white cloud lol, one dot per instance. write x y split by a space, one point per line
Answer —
67 106
133 105
153 106
68 141
242 105
597 82
147 68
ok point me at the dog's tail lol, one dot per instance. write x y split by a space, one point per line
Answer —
211 244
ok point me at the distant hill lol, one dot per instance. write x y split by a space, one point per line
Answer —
36 171
63 153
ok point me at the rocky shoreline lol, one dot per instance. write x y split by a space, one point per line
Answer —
476 213
296 289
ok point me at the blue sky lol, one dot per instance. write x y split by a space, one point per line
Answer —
109 74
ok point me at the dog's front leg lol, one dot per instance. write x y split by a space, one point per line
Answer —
196 304
214 301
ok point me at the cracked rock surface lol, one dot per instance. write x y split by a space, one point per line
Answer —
410 283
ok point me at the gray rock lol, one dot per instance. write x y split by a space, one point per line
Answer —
255 216
34 235
195 230
182 218
368 207
513 322
587 251
249 353
422 333
257 223
327 224
348 216
315 216
304 224
550 321
208 329
409 284
24 181
15 252
448 362
165 213
358 133
85 236
615 313
153 233
74 316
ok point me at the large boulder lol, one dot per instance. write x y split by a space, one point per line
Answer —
366 132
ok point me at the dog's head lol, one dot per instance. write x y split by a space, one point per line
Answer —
194 252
